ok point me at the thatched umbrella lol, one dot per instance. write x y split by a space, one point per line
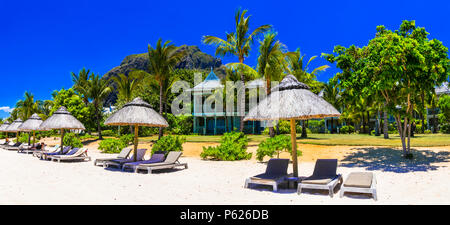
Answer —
14 128
292 100
62 120
137 113
32 125
3 128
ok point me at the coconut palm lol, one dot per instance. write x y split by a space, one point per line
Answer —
237 43
80 84
98 90
28 106
162 61
127 85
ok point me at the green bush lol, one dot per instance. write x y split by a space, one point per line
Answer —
109 133
233 146
71 139
169 143
127 139
23 138
427 131
181 125
110 145
445 128
284 128
85 137
275 145
347 129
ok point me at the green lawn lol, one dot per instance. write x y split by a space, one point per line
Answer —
420 140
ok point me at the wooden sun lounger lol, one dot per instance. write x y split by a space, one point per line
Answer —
38 153
80 155
170 162
119 162
276 173
324 177
14 147
360 182
122 155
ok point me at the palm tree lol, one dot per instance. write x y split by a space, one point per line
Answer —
237 43
27 107
127 85
80 84
162 61
299 69
98 90
270 62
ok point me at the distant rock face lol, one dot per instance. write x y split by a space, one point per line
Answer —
194 59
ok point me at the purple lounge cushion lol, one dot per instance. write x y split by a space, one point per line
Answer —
156 158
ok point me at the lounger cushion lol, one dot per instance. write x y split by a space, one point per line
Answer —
324 181
359 180
265 178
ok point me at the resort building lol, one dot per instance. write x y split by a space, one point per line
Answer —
212 120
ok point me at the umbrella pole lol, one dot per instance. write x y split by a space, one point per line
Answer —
136 131
294 148
34 137
17 137
62 140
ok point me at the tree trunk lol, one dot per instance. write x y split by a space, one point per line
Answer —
242 106
385 123
421 113
368 122
363 124
304 134
294 148
401 133
331 125
99 128
160 107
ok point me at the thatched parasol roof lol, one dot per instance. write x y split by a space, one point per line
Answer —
4 126
32 124
292 99
62 119
14 127
137 112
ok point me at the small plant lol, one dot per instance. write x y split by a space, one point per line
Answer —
233 146
86 136
347 130
445 128
110 145
275 145
127 139
169 143
23 137
71 139
427 132
109 133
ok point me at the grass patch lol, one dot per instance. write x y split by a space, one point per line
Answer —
420 140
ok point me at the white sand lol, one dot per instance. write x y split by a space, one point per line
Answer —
27 180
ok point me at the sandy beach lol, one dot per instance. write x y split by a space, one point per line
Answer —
27 180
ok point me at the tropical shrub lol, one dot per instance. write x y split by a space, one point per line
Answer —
169 143
23 137
284 127
181 125
71 139
110 145
275 145
347 129
316 126
109 133
127 139
427 132
445 128
233 146
85 137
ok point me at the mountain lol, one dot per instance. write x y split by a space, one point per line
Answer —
194 59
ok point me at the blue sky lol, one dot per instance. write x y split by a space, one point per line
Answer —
41 42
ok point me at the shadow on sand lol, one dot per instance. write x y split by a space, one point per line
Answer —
391 160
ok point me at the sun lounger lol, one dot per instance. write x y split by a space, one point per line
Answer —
360 182
119 162
32 149
46 149
276 173
324 177
78 155
2 142
122 155
156 158
169 163
13 147
64 151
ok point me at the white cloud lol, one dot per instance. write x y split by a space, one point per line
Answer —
6 109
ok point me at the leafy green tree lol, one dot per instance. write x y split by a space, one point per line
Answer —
395 65
444 106
238 44
127 86
162 60
74 104
28 106
331 95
